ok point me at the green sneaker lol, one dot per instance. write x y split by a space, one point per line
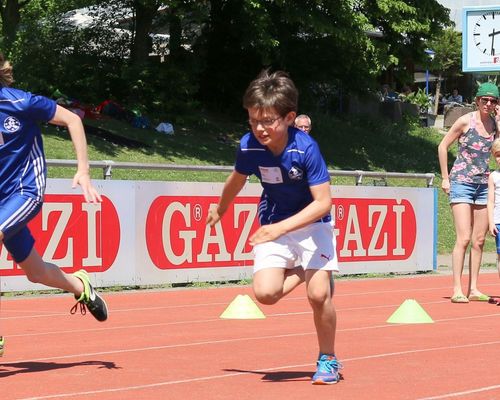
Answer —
2 345
95 303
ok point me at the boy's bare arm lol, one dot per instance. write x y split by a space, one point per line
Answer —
74 124
234 184
318 208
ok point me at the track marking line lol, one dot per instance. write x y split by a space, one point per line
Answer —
201 321
230 375
38 315
48 313
231 340
464 393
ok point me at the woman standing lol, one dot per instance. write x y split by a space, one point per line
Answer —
467 186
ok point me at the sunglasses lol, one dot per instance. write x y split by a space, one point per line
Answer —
486 100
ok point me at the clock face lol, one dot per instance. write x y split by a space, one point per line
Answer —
481 39
486 33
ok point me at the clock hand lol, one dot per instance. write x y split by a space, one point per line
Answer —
494 33
492 42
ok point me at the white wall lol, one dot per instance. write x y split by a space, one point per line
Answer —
456 8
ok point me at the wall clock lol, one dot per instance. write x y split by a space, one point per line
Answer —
481 39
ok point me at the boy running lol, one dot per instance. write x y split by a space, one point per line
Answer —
294 210
23 174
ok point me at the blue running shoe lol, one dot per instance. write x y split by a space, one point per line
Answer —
327 372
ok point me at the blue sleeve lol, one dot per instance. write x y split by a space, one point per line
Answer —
242 164
40 108
317 171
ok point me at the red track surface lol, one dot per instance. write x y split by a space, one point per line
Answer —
172 345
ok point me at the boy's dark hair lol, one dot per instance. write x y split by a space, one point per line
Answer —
272 90
6 77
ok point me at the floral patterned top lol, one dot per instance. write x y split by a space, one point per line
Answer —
473 157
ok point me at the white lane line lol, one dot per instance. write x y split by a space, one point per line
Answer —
230 340
278 315
48 313
229 375
464 393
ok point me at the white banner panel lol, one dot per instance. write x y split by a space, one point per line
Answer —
148 233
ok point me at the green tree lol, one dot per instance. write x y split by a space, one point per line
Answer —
329 46
10 13
405 25
447 47
144 13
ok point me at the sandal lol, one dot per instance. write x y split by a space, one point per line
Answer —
459 299
481 297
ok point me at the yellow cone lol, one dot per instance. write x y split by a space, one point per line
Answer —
242 307
410 312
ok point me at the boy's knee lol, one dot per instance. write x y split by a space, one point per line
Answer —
266 296
317 298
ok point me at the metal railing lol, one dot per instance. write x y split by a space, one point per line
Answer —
108 165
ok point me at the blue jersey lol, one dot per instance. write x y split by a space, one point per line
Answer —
286 178
22 160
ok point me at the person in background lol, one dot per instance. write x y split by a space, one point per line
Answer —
303 122
387 94
454 97
405 91
467 186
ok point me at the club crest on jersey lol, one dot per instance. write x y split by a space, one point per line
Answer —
295 173
11 124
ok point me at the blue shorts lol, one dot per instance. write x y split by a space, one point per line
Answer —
470 193
15 213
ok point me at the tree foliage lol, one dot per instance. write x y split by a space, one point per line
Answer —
447 46
208 50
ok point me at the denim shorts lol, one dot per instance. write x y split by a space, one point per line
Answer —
471 193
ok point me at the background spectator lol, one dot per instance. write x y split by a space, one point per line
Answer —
387 94
455 97
303 122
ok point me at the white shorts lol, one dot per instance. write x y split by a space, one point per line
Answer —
313 247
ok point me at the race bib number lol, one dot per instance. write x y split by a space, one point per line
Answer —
271 174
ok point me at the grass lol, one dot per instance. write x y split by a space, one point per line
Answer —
355 143
110 289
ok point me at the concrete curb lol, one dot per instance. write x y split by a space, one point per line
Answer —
445 259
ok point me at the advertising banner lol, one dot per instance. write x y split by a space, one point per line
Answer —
152 233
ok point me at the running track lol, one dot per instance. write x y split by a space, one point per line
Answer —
172 345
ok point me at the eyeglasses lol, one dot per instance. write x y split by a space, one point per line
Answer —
303 127
266 122
486 100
